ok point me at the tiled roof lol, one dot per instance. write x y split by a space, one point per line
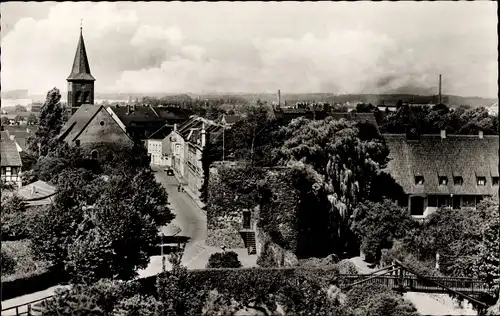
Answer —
37 191
81 68
78 121
162 132
190 129
171 113
9 155
139 114
467 156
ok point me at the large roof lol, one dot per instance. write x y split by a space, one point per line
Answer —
37 193
466 156
9 155
78 121
190 130
81 67
138 114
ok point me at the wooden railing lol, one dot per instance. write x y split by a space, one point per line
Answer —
415 284
30 309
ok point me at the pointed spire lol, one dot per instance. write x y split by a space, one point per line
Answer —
81 68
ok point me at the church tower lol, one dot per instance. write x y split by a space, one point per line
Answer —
80 81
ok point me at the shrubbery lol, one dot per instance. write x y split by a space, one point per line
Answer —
224 260
371 299
8 263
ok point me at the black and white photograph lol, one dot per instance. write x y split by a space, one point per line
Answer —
249 158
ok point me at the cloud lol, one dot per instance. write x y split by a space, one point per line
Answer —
243 50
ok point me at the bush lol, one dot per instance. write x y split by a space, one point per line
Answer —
372 299
8 264
224 260
26 264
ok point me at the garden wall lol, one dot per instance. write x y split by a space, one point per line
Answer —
31 284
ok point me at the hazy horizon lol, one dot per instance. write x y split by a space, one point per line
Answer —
255 47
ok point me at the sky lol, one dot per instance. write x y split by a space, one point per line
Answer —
254 47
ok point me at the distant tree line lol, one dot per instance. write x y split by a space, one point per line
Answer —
423 119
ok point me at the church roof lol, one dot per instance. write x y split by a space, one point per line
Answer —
78 121
81 68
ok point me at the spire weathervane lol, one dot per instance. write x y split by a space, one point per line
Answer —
81 25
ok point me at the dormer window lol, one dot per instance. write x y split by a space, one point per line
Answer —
494 180
419 180
458 180
443 180
481 181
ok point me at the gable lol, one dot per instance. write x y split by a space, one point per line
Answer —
102 128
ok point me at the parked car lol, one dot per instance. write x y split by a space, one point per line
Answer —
169 171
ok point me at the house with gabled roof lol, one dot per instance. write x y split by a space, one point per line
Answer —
444 170
186 143
92 124
10 163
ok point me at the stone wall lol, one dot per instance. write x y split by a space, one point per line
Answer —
282 257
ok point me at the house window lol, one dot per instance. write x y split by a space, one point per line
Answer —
443 180
481 181
432 201
77 142
468 201
3 171
444 201
8 171
94 154
494 180
458 180
419 180
14 171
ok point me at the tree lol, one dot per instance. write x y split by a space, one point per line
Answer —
347 163
101 227
224 260
378 224
32 119
50 124
487 263
5 121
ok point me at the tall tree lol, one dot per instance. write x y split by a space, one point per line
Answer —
50 123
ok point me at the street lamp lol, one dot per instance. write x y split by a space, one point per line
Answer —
162 255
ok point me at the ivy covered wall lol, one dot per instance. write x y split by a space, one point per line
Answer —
286 203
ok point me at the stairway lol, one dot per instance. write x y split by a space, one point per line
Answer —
250 243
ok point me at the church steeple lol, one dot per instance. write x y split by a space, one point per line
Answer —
81 68
80 81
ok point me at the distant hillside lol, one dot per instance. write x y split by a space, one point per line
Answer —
15 94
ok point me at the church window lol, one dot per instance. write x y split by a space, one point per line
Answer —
87 97
101 123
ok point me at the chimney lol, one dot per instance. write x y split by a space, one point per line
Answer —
439 100
33 190
203 135
175 127
481 135
134 107
279 99
128 108
443 134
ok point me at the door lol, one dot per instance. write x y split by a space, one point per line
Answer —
246 220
